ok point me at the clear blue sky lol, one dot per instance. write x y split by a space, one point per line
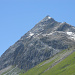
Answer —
19 16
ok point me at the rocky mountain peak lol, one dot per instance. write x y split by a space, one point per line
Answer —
46 18
44 40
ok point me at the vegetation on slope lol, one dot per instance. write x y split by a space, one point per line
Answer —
65 67
62 63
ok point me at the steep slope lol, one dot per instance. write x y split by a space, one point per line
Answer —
62 63
66 67
47 38
11 70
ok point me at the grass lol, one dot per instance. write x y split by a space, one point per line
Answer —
65 67
38 69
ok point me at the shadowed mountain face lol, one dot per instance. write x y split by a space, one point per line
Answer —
44 40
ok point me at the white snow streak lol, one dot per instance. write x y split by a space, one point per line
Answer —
72 35
31 34
49 17
69 33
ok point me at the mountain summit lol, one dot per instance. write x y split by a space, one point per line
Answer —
46 18
44 40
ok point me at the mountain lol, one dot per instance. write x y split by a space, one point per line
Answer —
62 63
44 40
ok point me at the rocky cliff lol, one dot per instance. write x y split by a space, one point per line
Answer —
44 40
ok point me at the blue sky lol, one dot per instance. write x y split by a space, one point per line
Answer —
19 16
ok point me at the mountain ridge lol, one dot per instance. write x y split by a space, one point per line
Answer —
44 40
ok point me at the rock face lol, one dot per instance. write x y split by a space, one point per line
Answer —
45 39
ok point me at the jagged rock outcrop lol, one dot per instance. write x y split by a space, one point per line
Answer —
45 39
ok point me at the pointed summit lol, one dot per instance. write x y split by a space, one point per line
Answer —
47 18
43 41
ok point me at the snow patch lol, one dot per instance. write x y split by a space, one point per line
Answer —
49 17
48 34
72 35
31 34
69 33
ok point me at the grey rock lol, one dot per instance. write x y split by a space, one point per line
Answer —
44 40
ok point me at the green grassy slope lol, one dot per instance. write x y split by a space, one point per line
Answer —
62 63
38 69
65 67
